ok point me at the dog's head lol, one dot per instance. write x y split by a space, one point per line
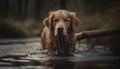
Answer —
61 22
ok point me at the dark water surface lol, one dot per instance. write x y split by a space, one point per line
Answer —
27 54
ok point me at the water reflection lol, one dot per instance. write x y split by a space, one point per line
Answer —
59 64
28 56
25 61
20 60
63 64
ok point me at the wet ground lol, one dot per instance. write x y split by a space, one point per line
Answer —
27 54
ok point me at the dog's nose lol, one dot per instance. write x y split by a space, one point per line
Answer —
60 30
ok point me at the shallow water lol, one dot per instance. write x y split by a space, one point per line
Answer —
27 54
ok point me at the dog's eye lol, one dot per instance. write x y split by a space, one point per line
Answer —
66 20
56 20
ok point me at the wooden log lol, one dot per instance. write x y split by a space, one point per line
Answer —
96 33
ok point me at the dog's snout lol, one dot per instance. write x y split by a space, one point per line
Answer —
60 30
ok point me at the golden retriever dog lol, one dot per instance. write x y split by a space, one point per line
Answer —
58 34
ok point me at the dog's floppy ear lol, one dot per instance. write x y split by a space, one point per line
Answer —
75 20
47 21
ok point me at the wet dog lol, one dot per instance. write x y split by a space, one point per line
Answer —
58 35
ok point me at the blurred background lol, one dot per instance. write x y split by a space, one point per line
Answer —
21 24
23 18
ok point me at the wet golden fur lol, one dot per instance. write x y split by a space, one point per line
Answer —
69 21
